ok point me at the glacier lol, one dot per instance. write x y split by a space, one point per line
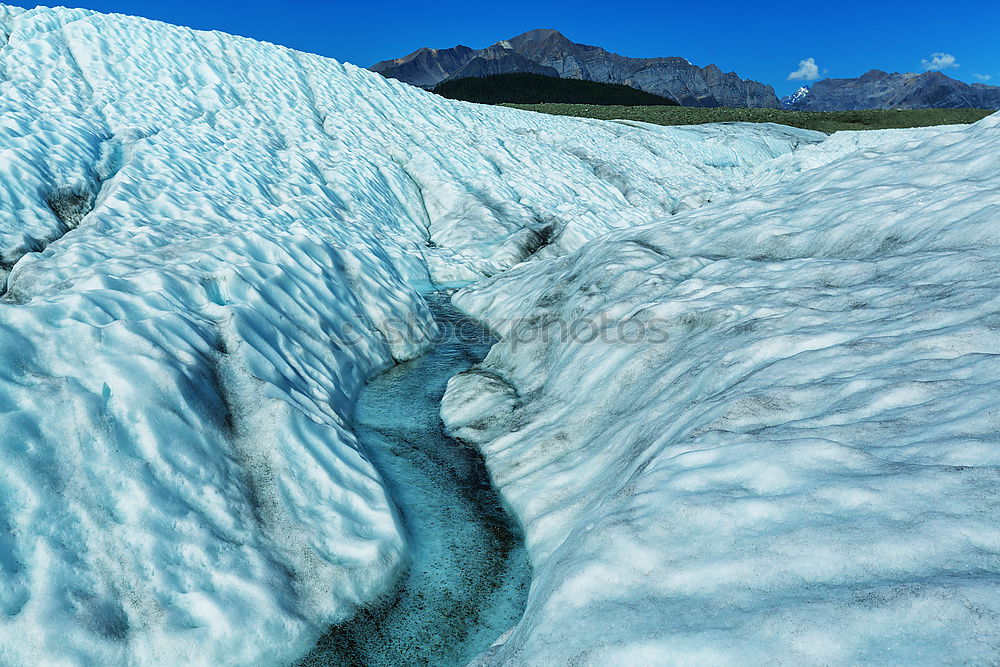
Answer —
207 246
763 431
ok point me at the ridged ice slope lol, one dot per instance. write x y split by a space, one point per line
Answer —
764 431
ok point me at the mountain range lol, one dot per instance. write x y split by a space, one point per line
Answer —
550 53
881 90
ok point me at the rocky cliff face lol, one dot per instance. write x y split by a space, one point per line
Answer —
882 90
426 67
550 52
498 60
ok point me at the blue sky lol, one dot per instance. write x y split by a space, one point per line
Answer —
844 38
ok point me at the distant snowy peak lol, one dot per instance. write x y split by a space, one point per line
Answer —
883 90
796 98
547 51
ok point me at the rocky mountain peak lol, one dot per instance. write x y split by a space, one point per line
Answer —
548 51
539 35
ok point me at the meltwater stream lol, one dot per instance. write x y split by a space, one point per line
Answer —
468 576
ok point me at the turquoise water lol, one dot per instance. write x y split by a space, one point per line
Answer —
468 577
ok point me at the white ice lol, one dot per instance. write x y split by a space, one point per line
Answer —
773 435
207 245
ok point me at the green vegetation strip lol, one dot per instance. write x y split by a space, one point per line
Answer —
824 121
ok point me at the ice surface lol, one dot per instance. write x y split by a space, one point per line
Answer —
774 436
207 245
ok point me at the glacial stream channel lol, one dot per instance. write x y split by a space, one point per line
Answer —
468 576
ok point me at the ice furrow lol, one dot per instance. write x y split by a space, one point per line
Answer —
467 578
71 205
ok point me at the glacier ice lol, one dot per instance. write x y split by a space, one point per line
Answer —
207 245
793 455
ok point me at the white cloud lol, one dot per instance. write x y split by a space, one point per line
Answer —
807 71
983 77
939 61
